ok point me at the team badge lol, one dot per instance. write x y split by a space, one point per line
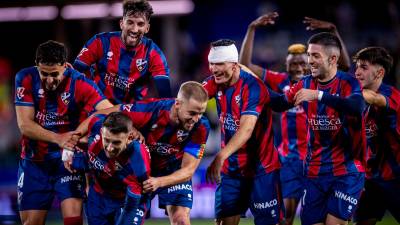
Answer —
109 55
181 135
140 64
41 93
65 97
20 92
237 99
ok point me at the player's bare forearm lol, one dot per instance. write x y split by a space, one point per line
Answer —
185 173
246 51
83 127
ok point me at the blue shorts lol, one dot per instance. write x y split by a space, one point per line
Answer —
104 210
262 194
176 195
292 180
337 196
39 182
379 196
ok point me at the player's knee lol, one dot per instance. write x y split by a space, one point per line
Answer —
180 218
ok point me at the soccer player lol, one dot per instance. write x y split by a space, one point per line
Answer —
247 164
293 123
125 63
335 160
383 135
118 166
50 101
176 134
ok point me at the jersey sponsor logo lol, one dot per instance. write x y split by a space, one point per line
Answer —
180 187
163 148
181 135
229 121
345 197
140 64
266 205
65 97
69 178
51 119
82 51
20 92
127 107
98 164
324 122
109 55
114 80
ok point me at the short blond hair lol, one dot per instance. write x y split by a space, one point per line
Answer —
297 49
193 89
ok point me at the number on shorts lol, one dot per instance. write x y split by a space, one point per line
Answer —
21 180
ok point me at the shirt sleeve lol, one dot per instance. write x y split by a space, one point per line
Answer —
140 165
197 143
88 94
210 86
23 89
91 52
140 112
272 79
254 96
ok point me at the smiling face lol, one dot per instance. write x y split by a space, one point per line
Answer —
114 143
189 112
133 27
318 59
296 66
223 72
368 74
51 75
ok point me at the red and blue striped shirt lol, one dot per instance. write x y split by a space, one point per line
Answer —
124 75
118 176
167 143
59 111
248 96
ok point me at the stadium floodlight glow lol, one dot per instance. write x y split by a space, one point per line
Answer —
28 13
90 11
85 11
166 7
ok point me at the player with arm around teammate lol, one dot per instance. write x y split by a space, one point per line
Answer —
50 101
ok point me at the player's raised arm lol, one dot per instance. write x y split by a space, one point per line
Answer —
246 51
312 24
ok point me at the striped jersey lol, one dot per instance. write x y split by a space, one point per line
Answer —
248 96
293 121
59 111
337 143
121 175
383 135
167 142
123 75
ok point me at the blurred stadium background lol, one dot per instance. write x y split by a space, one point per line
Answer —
183 29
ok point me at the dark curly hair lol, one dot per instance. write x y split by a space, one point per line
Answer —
222 42
51 52
137 7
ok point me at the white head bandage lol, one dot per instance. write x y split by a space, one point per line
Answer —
221 54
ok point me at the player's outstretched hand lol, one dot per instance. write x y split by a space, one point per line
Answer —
313 24
264 20
151 184
68 140
305 95
214 171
